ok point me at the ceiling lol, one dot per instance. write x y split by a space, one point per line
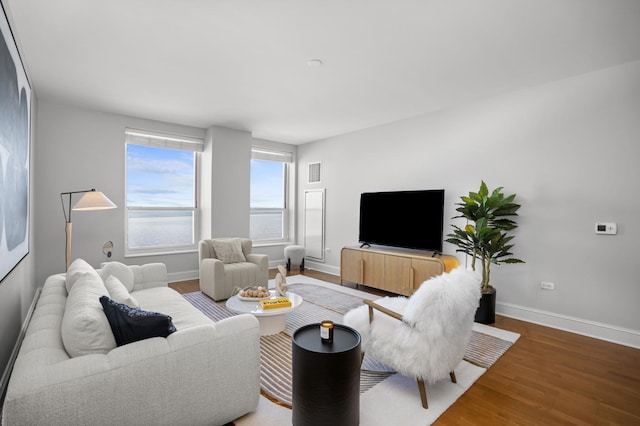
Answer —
243 64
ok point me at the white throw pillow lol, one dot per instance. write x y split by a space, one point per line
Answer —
229 250
118 292
85 328
78 269
119 270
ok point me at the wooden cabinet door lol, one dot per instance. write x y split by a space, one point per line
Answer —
397 272
373 269
423 269
351 266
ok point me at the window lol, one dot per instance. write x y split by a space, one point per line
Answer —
162 213
270 212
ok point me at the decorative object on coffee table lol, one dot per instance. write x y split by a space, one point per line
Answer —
486 237
272 320
281 281
326 376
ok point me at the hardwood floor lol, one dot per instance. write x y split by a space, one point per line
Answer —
548 377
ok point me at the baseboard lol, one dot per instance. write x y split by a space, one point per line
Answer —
4 382
174 277
607 332
274 263
597 330
322 267
308 264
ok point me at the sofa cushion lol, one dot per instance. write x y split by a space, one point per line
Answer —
149 275
168 301
229 250
118 292
85 330
119 270
132 324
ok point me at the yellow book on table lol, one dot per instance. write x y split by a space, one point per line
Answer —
278 302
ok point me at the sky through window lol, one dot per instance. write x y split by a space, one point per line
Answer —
159 177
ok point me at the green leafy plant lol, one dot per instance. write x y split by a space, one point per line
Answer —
486 235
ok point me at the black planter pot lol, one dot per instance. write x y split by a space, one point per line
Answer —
486 312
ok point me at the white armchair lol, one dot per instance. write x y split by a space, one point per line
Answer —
226 263
424 336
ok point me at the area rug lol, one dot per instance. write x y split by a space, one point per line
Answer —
380 387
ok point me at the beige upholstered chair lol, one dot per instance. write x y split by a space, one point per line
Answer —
226 263
424 336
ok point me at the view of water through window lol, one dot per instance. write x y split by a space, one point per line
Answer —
161 198
159 178
160 228
266 225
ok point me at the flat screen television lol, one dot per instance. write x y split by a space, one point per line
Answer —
408 219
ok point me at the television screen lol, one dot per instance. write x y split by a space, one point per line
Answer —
409 219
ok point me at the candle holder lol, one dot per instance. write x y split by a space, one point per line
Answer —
326 331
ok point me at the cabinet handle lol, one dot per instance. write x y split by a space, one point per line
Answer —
361 271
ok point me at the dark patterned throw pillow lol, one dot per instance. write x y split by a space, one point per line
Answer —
132 324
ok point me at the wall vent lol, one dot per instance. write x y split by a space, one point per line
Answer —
314 172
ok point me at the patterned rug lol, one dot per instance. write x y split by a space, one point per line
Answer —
319 304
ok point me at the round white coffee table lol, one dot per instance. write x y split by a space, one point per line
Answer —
272 321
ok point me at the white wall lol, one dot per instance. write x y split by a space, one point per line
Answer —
569 150
228 156
226 187
80 149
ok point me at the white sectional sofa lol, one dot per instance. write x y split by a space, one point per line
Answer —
70 372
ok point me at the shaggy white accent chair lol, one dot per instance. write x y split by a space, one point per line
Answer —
226 263
424 336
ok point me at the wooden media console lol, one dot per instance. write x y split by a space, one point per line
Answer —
394 270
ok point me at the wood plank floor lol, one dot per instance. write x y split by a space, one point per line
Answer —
548 377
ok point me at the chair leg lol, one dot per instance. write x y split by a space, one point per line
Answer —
423 393
453 377
288 264
302 265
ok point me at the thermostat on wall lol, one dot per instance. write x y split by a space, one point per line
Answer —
606 228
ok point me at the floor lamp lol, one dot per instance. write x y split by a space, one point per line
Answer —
91 200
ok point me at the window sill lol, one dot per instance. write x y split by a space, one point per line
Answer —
272 244
161 253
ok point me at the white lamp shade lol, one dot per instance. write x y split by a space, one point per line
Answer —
94 200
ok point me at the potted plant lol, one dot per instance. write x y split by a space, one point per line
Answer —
486 238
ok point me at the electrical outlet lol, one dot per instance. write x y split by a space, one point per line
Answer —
545 285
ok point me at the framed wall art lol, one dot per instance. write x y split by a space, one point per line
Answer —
15 119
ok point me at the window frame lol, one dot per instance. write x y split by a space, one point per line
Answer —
171 142
287 160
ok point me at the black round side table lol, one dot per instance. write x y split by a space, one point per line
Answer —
326 377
